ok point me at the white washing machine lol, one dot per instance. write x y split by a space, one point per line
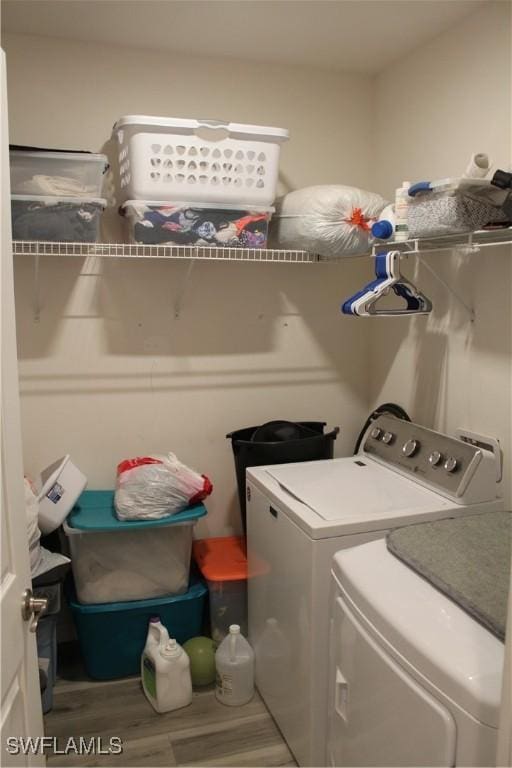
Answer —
413 679
299 515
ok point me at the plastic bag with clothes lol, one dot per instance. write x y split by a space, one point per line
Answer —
151 487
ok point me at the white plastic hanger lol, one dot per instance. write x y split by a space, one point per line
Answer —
388 277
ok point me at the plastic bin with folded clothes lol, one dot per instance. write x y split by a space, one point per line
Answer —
56 195
64 220
454 206
199 224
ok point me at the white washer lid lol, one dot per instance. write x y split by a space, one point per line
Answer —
455 653
356 489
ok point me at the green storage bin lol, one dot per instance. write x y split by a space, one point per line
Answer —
112 635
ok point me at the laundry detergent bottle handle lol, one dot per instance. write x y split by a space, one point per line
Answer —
158 635
157 638
234 660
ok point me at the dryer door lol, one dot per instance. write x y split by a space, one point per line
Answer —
379 715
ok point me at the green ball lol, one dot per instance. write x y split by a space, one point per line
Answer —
201 652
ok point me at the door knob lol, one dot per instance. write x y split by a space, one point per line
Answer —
32 608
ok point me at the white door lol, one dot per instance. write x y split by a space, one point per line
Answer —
21 714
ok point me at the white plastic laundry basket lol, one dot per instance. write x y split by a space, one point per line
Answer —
164 158
59 485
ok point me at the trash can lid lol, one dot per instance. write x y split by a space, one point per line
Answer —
221 559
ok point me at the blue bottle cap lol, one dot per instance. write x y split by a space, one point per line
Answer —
382 229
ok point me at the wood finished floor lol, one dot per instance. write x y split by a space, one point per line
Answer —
206 733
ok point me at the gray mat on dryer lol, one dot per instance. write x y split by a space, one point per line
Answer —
466 558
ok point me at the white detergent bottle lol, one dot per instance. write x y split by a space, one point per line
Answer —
166 676
401 212
384 227
234 660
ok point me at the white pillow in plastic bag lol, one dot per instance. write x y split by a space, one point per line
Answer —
330 220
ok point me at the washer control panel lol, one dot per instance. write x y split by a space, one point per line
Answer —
437 460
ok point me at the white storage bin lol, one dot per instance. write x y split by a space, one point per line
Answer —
59 174
115 561
59 487
205 161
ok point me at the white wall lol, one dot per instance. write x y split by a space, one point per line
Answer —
109 372
433 110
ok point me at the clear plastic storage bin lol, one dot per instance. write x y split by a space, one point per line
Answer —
114 560
57 174
165 223
452 206
223 563
64 220
165 158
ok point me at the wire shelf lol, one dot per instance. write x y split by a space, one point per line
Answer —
465 243
470 242
122 250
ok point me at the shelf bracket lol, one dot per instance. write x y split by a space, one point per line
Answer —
36 297
470 311
180 297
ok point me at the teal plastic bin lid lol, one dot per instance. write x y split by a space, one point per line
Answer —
197 589
94 511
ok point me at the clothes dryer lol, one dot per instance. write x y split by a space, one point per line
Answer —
414 680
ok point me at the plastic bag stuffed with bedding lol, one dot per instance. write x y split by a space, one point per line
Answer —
151 487
331 220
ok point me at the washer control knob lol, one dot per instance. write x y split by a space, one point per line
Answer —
435 458
376 433
410 447
451 464
388 438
